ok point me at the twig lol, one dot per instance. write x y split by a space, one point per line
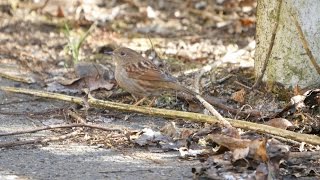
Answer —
19 101
285 140
207 105
247 87
214 112
305 155
273 36
197 82
305 44
195 117
55 111
59 126
78 118
215 103
220 81
22 79
40 140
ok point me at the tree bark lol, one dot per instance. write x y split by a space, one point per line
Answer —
289 62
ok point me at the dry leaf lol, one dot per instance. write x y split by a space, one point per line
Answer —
279 123
89 76
297 90
312 99
60 13
174 132
240 153
261 172
229 142
239 96
247 21
170 130
258 149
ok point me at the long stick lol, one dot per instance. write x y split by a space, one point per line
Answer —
195 117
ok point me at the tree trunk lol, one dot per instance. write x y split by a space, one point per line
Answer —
289 62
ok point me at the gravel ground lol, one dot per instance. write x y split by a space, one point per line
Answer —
59 160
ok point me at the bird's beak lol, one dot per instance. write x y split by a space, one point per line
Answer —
110 53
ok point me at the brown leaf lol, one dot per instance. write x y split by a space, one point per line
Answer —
229 142
279 123
92 76
170 130
258 149
297 90
91 83
247 21
240 153
239 96
60 13
242 147
67 82
174 132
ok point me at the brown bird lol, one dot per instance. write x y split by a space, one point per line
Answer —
141 77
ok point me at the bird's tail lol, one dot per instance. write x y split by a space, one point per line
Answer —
187 90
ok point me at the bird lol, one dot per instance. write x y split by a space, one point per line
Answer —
141 77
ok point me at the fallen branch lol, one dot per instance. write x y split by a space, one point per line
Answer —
40 140
207 105
59 126
17 78
76 117
214 112
215 102
195 117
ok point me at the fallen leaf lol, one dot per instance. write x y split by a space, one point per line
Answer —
185 152
89 76
229 142
279 123
261 172
312 99
147 137
247 21
60 13
239 96
297 90
258 149
240 153
174 132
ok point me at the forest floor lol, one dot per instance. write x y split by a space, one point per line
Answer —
208 45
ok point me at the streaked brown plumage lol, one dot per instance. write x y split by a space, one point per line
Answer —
140 77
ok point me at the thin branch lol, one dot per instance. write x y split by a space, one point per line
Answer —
17 78
273 36
305 44
214 112
94 126
78 118
40 140
195 117
207 105
214 102
305 155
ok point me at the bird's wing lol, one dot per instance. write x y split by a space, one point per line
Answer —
146 70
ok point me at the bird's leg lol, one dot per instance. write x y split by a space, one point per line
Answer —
152 102
140 101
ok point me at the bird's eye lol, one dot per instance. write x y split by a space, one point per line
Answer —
123 53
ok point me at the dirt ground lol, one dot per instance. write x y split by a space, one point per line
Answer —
71 160
208 45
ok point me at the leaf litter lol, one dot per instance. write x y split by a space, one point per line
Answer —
186 36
